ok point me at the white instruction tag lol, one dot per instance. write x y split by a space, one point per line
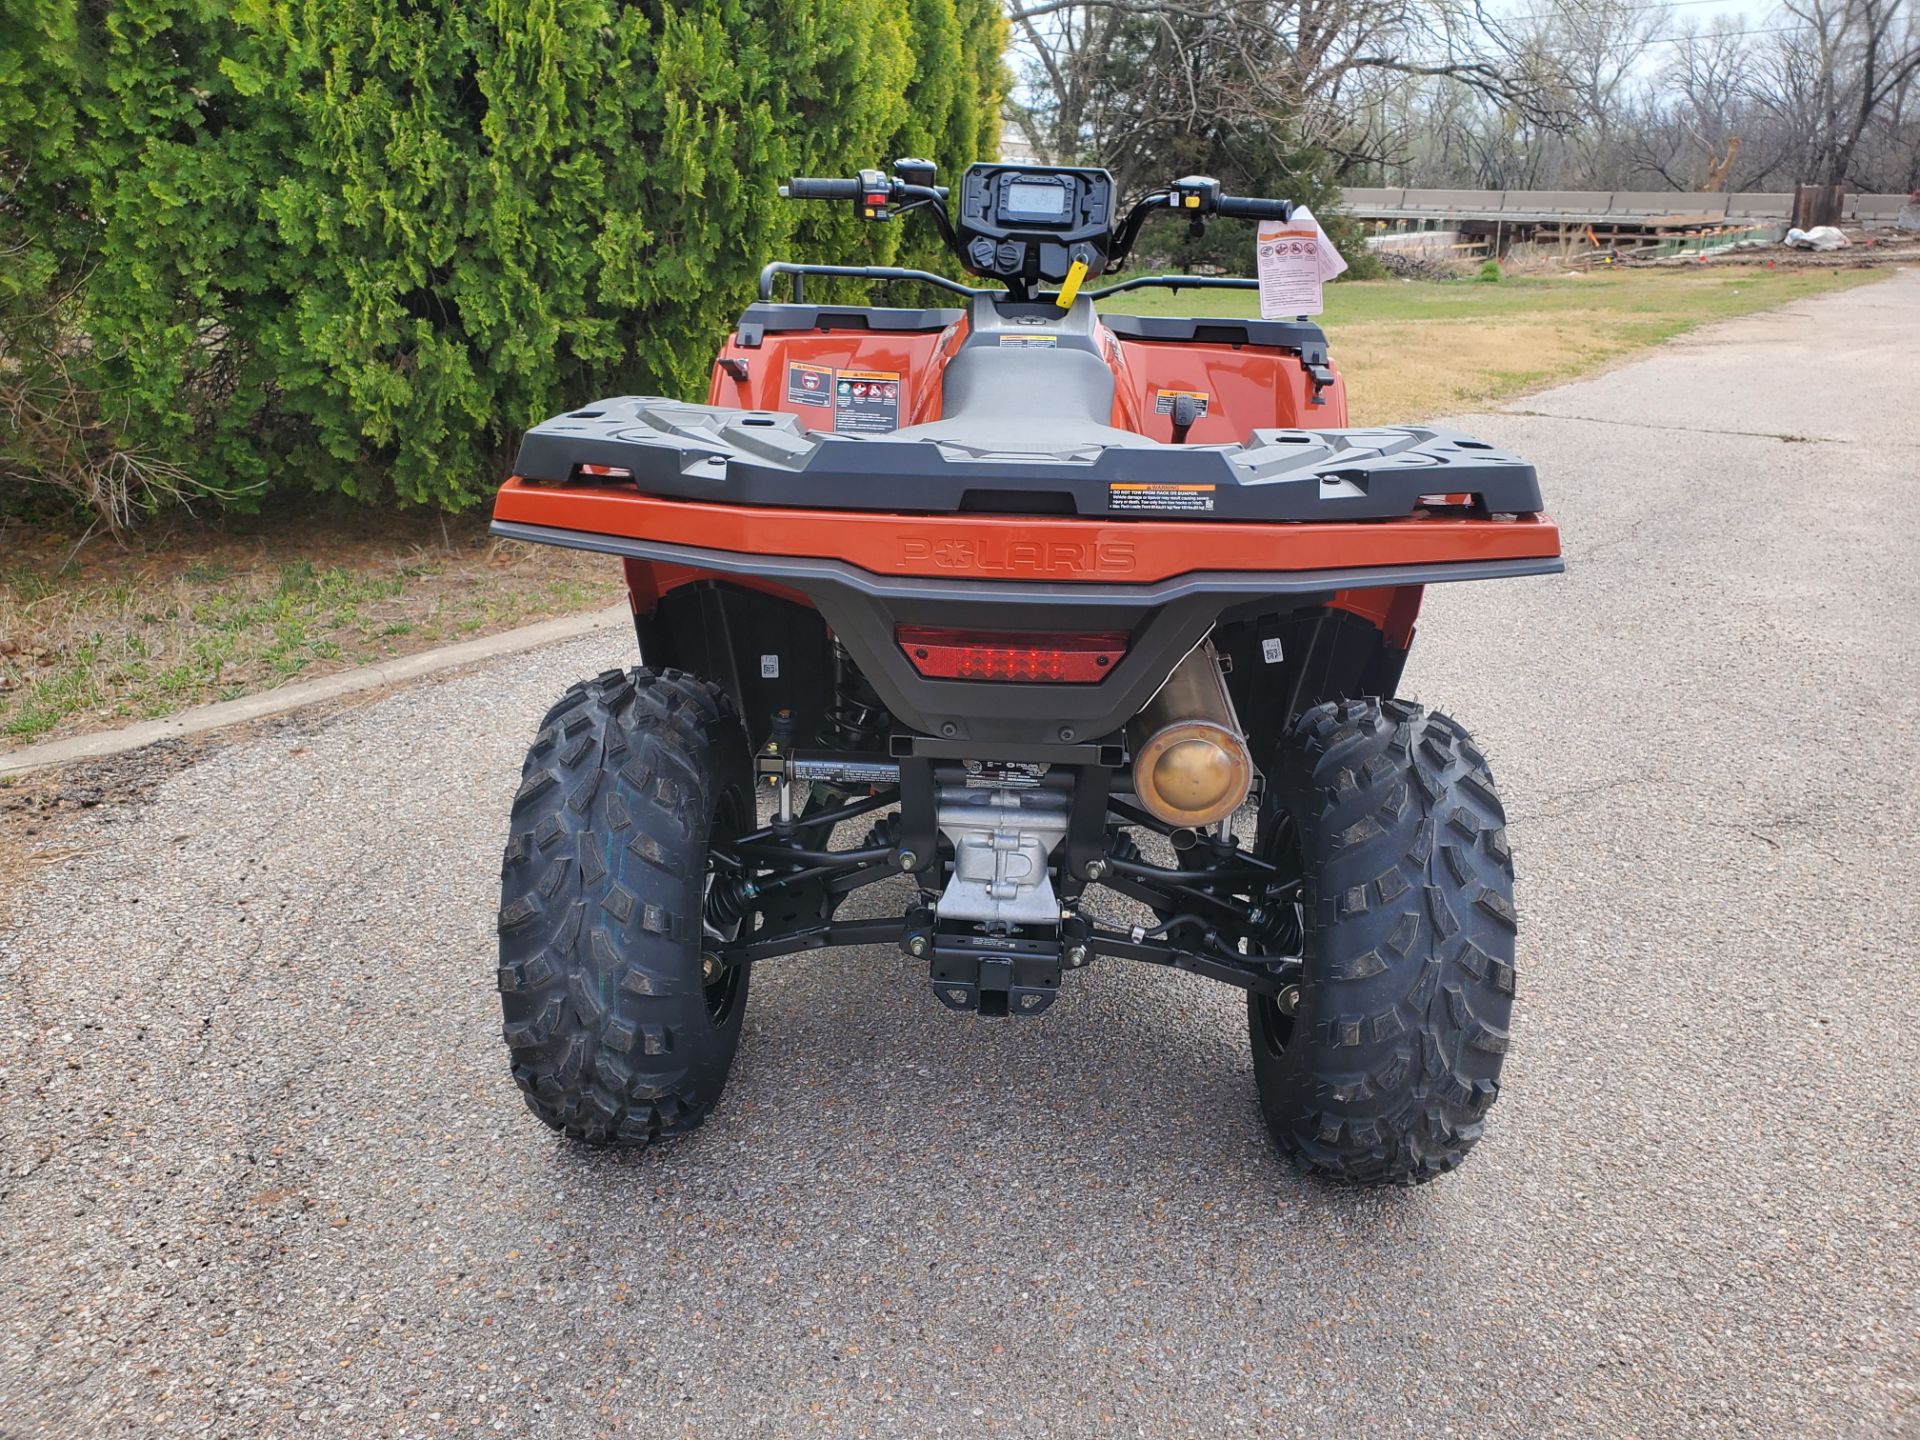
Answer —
769 667
1296 259
1270 650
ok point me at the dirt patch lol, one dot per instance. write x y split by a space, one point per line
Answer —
1869 248
39 809
94 634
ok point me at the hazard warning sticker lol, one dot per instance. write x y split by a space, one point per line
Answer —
1161 499
1029 342
1163 400
809 384
866 402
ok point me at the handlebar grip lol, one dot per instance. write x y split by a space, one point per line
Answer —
1246 207
807 187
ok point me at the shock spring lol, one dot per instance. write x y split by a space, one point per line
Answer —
857 719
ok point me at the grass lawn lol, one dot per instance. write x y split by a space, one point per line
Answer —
196 611
203 611
1412 350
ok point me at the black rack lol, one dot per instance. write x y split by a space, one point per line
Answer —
1172 282
771 272
799 273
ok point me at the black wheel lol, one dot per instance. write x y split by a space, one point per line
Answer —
1383 1072
621 1023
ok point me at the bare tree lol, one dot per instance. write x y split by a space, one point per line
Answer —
1597 50
1694 126
1136 82
1577 94
1842 66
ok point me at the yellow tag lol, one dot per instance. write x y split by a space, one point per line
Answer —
1076 272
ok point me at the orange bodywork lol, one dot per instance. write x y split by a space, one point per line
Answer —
1009 547
1245 388
917 357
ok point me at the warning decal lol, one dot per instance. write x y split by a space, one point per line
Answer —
1029 342
1161 499
809 384
1163 400
1296 260
866 402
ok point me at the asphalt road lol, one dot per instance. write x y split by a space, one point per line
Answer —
264 1171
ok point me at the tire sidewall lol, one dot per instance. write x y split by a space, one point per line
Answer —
1406 978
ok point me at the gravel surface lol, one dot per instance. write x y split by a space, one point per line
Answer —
262 1170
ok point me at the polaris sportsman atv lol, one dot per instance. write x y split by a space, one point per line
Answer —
1019 601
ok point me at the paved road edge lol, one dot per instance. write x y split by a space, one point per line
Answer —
311 692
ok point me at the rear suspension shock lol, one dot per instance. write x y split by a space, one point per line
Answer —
857 719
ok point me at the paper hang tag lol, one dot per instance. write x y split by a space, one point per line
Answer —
1296 259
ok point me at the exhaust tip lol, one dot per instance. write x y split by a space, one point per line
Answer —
1194 773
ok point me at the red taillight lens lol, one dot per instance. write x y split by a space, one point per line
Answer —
941 654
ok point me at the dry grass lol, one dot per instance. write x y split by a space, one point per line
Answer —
1412 350
1417 369
208 612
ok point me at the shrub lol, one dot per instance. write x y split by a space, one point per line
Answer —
1489 273
358 245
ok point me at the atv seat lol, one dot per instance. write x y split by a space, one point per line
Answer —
1006 397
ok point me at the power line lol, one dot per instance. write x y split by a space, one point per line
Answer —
1623 10
1681 39
1723 35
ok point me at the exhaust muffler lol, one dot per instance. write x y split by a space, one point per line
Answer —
1191 766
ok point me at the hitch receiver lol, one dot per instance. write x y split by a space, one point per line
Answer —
986 974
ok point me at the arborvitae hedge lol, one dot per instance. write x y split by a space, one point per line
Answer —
357 245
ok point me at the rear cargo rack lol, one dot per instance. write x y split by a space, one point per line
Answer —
725 455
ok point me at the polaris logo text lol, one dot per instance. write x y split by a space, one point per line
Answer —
1022 557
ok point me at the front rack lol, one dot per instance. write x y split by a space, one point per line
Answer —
1172 282
770 274
774 269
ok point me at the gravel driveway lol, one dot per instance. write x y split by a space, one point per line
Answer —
262 1170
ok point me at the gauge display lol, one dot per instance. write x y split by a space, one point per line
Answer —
1037 200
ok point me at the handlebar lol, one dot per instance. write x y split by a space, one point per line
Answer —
808 187
1247 207
878 195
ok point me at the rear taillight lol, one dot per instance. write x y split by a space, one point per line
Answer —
941 654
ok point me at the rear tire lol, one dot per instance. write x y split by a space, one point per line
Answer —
1384 1074
620 1031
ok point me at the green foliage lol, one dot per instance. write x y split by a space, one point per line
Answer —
358 245
1490 273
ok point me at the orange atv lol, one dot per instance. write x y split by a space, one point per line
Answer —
1024 607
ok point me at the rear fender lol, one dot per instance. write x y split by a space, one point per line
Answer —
1281 663
769 652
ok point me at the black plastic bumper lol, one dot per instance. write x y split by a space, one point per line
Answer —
1165 618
